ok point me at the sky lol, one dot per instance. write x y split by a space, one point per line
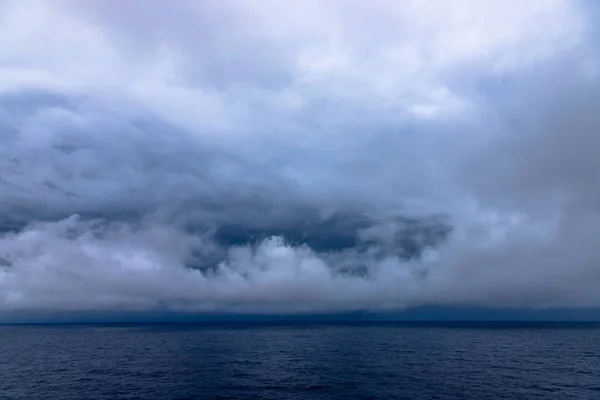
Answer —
259 156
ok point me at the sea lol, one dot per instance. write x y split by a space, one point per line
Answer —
312 361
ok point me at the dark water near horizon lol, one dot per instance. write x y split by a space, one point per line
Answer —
300 361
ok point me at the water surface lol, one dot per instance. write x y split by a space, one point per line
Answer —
301 361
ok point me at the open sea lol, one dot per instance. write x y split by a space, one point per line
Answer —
301 361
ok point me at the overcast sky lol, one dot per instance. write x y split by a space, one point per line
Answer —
270 156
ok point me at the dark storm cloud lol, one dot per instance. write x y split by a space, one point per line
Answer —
251 158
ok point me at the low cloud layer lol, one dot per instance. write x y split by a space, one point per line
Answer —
322 156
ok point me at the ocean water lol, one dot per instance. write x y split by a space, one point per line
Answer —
300 361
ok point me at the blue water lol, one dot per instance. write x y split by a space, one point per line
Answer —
301 361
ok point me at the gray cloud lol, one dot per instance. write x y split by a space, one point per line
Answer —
241 158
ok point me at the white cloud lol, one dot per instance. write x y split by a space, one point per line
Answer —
276 118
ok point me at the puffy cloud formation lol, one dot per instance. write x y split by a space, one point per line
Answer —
266 156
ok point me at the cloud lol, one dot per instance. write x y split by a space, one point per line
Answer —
262 157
